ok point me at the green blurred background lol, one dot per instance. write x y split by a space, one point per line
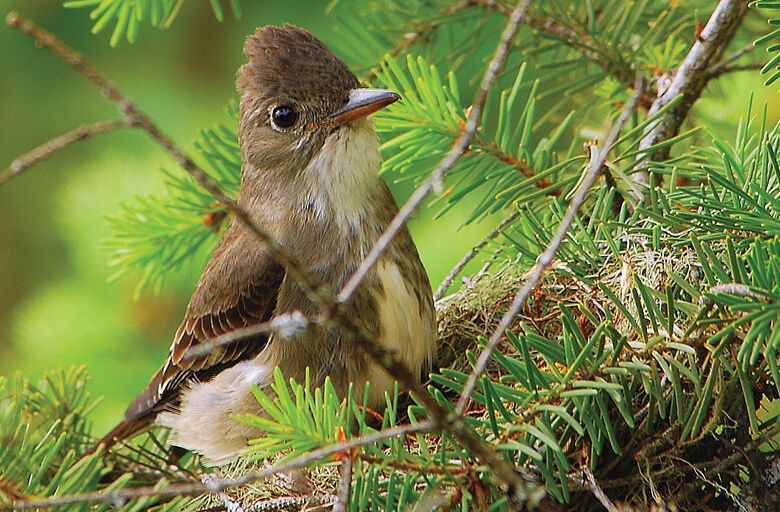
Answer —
56 308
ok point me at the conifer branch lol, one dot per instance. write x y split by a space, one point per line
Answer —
218 485
421 31
597 159
585 45
579 41
689 82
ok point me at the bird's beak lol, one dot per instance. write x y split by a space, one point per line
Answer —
362 103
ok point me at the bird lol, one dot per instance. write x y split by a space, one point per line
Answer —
309 177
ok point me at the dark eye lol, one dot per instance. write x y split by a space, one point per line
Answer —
283 116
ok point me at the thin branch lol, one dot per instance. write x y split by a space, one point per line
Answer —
714 70
217 485
738 455
345 484
427 469
285 325
689 82
741 290
291 503
720 71
50 147
546 258
442 289
448 162
229 503
598 492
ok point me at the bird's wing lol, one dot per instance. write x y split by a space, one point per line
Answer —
237 289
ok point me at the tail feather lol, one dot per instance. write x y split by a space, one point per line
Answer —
125 430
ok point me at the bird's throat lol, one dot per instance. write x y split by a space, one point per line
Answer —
344 181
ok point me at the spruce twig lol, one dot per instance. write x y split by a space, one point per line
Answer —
445 284
218 485
689 81
546 258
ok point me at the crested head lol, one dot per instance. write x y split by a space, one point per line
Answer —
306 142
289 87
290 62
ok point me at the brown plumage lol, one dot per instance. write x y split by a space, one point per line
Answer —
309 176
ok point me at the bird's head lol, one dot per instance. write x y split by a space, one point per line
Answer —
295 94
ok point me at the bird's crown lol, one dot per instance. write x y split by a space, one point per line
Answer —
291 62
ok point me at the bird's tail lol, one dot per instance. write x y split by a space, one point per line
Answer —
125 430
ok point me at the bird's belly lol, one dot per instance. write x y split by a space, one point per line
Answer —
405 329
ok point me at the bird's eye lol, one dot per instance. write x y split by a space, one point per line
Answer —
283 116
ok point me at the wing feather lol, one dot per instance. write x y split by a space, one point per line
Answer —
237 289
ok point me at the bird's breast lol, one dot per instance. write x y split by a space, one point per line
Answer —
406 326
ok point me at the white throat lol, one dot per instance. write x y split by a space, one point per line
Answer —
345 174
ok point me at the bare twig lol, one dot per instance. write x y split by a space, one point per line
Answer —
722 465
720 71
451 469
50 147
448 162
345 484
285 325
593 485
690 80
229 503
546 258
442 289
716 69
216 485
291 503
741 290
